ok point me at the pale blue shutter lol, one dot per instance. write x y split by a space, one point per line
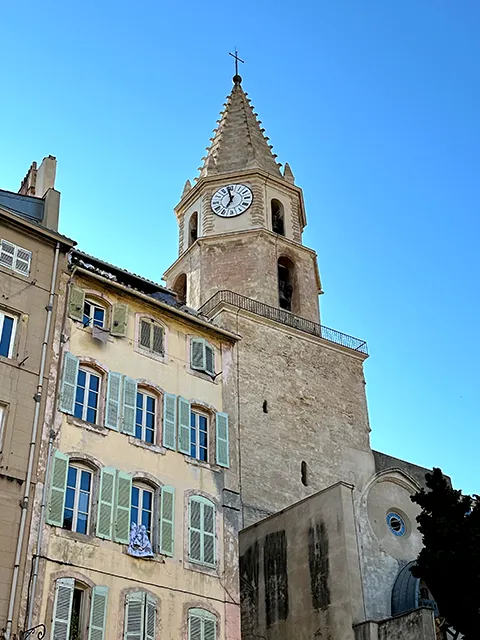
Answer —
129 405
208 546
134 616
114 397
169 421
69 383
58 487
98 613
62 609
119 320
76 302
167 521
209 628
222 445
184 426
195 524
105 503
150 617
123 498
209 359
202 625
197 354
195 630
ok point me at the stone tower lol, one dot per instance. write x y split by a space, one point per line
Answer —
299 392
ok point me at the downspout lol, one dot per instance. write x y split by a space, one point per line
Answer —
31 455
41 520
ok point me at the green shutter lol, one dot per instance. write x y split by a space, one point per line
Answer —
76 303
119 320
222 446
150 617
134 616
197 354
209 359
98 613
129 405
195 530
105 503
62 609
123 497
113 404
202 625
58 488
157 343
208 546
184 431
167 521
169 421
145 334
194 627
201 531
209 629
69 383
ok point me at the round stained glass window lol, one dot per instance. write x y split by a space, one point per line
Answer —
396 524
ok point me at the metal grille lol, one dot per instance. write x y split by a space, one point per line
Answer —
284 317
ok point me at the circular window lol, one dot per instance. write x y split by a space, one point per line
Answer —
396 524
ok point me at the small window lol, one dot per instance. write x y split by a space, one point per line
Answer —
77 608
87 396
140 616
202 356
193 228
77 499
180 288
8 325
151 336
146 417
285 283
202 625
15 258
278 219
199 436
396 524
93 314
202 531
142 508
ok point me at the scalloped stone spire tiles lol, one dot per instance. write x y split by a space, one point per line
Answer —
238 142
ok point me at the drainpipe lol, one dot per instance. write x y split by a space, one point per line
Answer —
41 520
31 455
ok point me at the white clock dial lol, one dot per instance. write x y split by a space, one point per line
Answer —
231 200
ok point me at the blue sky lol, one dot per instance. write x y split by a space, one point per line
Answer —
375 105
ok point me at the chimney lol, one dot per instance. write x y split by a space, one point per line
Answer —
38 181
27 188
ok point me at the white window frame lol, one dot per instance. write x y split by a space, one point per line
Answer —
204 414
80 467
14 255
147 394
142 487
89 373
94 305
4 315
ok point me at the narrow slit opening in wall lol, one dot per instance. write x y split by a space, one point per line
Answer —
304 473
265 406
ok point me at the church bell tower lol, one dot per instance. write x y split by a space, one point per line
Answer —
241 223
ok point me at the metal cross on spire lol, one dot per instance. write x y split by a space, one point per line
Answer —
236 78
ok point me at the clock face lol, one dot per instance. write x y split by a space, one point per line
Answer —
231 200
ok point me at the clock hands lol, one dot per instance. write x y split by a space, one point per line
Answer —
230 196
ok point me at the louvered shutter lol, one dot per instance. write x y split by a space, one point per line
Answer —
222 445
194 627
209 629
150 617
208 550
197 354
58 488
134 616
119 320
114 397
195 530
167 516
105 503
157 346
7 254
76 302
145 332
69 383
98 613
209 359
62 609
169 421
22 261
184 426
123 497
129 405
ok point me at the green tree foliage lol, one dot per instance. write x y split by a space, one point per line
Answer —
449 563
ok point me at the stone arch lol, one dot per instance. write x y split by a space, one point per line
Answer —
180 288
278 217
193 228
286 283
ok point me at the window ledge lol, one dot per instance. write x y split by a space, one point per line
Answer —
155 448
88 329
96 428
158 558
201 375
159 357
201 568
77 537
203 465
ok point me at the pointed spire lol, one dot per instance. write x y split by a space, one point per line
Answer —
288 174
238 142
186 188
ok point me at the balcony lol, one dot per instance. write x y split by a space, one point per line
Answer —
283 317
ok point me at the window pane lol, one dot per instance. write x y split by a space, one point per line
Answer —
85 481
68 519
78 411
72 477
82 523
83 502
91 416
138 431
147 519
203 438
139 400
92 399
149 436
203 454
202 423
98 317
135 496
149 422
147 500
6 336
82 377
80 395
151 404
134 515
94 382
69 498
192 419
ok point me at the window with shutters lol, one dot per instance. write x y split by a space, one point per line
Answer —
202 356
8 327
94 314
140 616
202 625
199 425
87 395
151 337
141 511
201 531
79 612
78 499
146 416
15 258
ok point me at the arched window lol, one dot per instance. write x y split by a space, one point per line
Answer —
278 217
285 283
94 314
146 415
193 228
201 531
78 498
87 394
142 507
140 616
202 625
180 288
151 336
76 608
